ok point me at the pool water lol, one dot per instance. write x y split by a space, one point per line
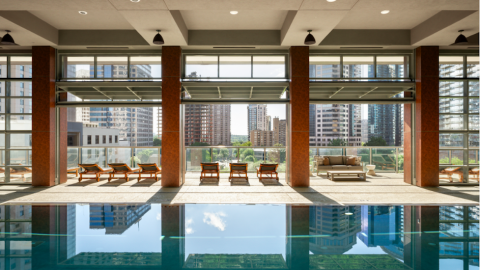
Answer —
214 236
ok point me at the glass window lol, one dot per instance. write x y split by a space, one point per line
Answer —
97 139
201 66
451 88
19 61
473 66
3 66
473 105
451 105
451 139
236 66
473 88
358 67
268 66
146 67
89 139
21 141
392 66
451 66
324 67
473 140
79 67
112 67
20 122
473 122
451 122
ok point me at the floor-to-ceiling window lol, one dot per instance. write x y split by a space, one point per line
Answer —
15 118
459 118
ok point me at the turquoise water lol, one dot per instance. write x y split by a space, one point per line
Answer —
212 236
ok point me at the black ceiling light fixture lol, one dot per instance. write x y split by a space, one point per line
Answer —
309 40
158 39
7 39
461 39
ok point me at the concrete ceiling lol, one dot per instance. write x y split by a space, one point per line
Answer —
204 24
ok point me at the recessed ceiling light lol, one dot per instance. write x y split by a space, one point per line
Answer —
234 12
385 11
83 12
135 1
331 1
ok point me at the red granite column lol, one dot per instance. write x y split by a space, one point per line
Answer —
43 118
171 86
299 109
427 117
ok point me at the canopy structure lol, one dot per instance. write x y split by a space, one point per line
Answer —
107 91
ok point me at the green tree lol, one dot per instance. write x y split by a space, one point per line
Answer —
337 142
247 144
157 142
143 156
376 141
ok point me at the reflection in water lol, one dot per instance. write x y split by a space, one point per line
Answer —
142 236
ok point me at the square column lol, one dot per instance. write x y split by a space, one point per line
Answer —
171 89
299 111
427 117
43 119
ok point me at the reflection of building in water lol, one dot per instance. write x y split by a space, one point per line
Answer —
228 261
117 258
71 230
116 219
339 224
383 226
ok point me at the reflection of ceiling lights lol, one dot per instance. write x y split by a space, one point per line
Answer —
234 12
461 39
348 214
385 12
309 40
82 12
135 1
158 39
331 1
7 39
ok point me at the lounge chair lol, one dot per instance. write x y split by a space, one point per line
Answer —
211 168
450 172
268 169
92 169
474 173
20 171
149 168
121 168
73 170
382 163
238 168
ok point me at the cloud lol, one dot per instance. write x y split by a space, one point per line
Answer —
188 229
215 220
159 216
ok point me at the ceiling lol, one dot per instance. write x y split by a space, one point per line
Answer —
262 24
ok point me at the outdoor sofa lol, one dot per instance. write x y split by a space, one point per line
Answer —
336 163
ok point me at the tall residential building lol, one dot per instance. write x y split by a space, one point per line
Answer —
382 226
338 226
364 130
337 121
207 123
279 131
257 118
386 121
262 137
159 122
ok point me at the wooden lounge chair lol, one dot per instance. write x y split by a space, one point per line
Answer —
474 173
93 169
20 171
211 168
73 170
450 172
149 168
240 169
268 169
121 168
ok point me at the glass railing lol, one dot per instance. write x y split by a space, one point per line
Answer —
225 155
105 155
385 158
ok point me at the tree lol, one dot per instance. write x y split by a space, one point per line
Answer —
157 142
337 142
247 144
376 141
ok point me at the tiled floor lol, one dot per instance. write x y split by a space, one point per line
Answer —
385 188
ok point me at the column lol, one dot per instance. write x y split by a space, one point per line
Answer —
171 88
299 110
407 141
43 117
427 117
62 143
298 249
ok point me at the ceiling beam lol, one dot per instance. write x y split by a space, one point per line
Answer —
33 24
101 92
234 37
219 93
133 92
336 92
373 89
424 33
100 38
251 92
361 37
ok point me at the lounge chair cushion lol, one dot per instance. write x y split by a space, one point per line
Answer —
326 161
149 167
336 160
90 167
210 168
351 161
119 166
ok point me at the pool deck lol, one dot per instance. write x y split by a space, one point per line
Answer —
383 189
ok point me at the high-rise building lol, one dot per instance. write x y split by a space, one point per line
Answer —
386 121
116 219
382 226
262 137
279 131
269 122
206 123
364 130
337 224
336 121
257 118
159 123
